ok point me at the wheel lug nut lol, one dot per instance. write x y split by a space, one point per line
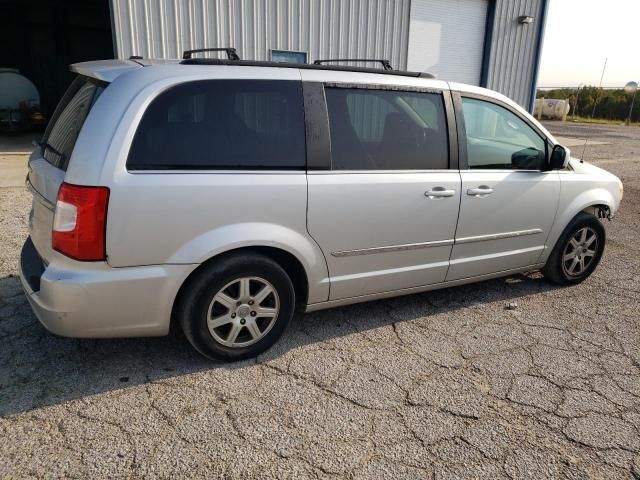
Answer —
233 315
250 302
243 321
253 314
238 303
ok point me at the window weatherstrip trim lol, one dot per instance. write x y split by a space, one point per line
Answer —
316 122
384 86
378 172
452 130
498 236
392 248
461 132
228 171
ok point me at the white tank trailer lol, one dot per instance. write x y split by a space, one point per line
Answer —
19 101
551 108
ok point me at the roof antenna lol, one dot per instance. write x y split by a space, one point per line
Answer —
593 112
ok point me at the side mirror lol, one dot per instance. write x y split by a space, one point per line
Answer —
559 157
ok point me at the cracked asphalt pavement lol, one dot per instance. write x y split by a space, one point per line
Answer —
510 378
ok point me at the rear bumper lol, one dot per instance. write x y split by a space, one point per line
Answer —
94 300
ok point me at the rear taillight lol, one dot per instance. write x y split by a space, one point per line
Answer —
80 221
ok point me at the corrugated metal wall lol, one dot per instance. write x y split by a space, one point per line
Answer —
513 49
322 28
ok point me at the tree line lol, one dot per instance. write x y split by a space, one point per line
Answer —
610 104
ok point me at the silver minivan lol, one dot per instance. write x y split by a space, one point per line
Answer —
225 195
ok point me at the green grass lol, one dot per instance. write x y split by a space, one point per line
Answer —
599 120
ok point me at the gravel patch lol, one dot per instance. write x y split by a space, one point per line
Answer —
15 204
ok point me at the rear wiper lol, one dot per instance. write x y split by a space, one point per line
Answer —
47 146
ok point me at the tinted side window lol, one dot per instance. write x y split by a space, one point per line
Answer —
387 130
222 124
499 139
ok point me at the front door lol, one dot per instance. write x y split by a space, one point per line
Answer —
385 213
508 204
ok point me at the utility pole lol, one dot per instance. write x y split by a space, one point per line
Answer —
631 88
595 102
575 104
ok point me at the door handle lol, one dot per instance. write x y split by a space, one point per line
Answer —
439 192
481 191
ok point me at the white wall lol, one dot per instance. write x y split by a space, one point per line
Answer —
446 38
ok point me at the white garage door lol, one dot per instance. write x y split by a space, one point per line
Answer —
446 38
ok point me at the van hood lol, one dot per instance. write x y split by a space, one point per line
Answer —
603 179
580 166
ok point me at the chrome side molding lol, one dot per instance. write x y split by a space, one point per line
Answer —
498 236
392 248
437 243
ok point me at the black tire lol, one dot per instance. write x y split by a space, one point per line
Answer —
557 272
199 293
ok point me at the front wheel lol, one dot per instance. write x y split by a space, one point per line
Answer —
237 307
577 252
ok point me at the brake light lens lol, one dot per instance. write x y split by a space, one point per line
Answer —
80 221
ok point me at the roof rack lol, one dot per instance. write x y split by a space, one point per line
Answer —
136 59
302 66
385 63
231 52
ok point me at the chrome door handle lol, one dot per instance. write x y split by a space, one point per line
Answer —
481 191
439 192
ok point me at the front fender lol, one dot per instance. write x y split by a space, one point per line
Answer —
568 209
255 234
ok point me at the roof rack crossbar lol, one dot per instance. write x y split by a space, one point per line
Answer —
385 63
231 52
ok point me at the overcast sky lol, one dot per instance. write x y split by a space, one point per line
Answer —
580 34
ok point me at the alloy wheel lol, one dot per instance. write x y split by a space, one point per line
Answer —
243 312
580 251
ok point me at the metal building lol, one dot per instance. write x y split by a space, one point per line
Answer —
492 43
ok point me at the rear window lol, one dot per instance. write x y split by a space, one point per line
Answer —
68 119
222 124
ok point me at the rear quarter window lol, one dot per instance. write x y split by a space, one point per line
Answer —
222 124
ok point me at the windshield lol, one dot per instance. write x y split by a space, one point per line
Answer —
64 128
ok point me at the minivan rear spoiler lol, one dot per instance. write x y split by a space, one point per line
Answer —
105 70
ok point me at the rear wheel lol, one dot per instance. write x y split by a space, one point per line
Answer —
238 307
577 252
